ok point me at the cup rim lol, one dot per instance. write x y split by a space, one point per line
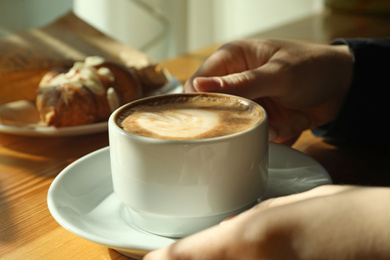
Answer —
113 116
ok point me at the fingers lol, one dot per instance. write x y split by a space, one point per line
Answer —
208 244
237 237
237 68
321 191
251 84
226 60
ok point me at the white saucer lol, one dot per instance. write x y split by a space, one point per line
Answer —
81 198
173 86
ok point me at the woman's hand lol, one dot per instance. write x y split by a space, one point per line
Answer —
328 222
301 85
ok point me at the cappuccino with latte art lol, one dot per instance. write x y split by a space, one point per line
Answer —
177 117
181 163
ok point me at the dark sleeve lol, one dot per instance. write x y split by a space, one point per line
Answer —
365 114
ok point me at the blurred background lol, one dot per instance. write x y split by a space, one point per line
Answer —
167 28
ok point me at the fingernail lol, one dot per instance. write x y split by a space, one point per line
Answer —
207 84
227 219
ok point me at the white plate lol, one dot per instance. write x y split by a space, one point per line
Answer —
54 131
81 198
173 86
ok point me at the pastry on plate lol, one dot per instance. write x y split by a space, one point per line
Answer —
86 93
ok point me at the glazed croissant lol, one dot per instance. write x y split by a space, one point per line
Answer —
86 93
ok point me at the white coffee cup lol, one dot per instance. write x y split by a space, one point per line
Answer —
178 187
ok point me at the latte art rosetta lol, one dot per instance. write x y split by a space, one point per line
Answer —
189 117
178 123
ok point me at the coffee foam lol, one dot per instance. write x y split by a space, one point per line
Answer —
189 117
178 123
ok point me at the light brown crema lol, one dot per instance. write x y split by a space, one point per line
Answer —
189 117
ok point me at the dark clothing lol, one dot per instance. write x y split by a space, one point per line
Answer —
366 111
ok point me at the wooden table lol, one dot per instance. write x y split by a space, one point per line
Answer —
28 165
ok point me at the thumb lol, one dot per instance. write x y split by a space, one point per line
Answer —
250 84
